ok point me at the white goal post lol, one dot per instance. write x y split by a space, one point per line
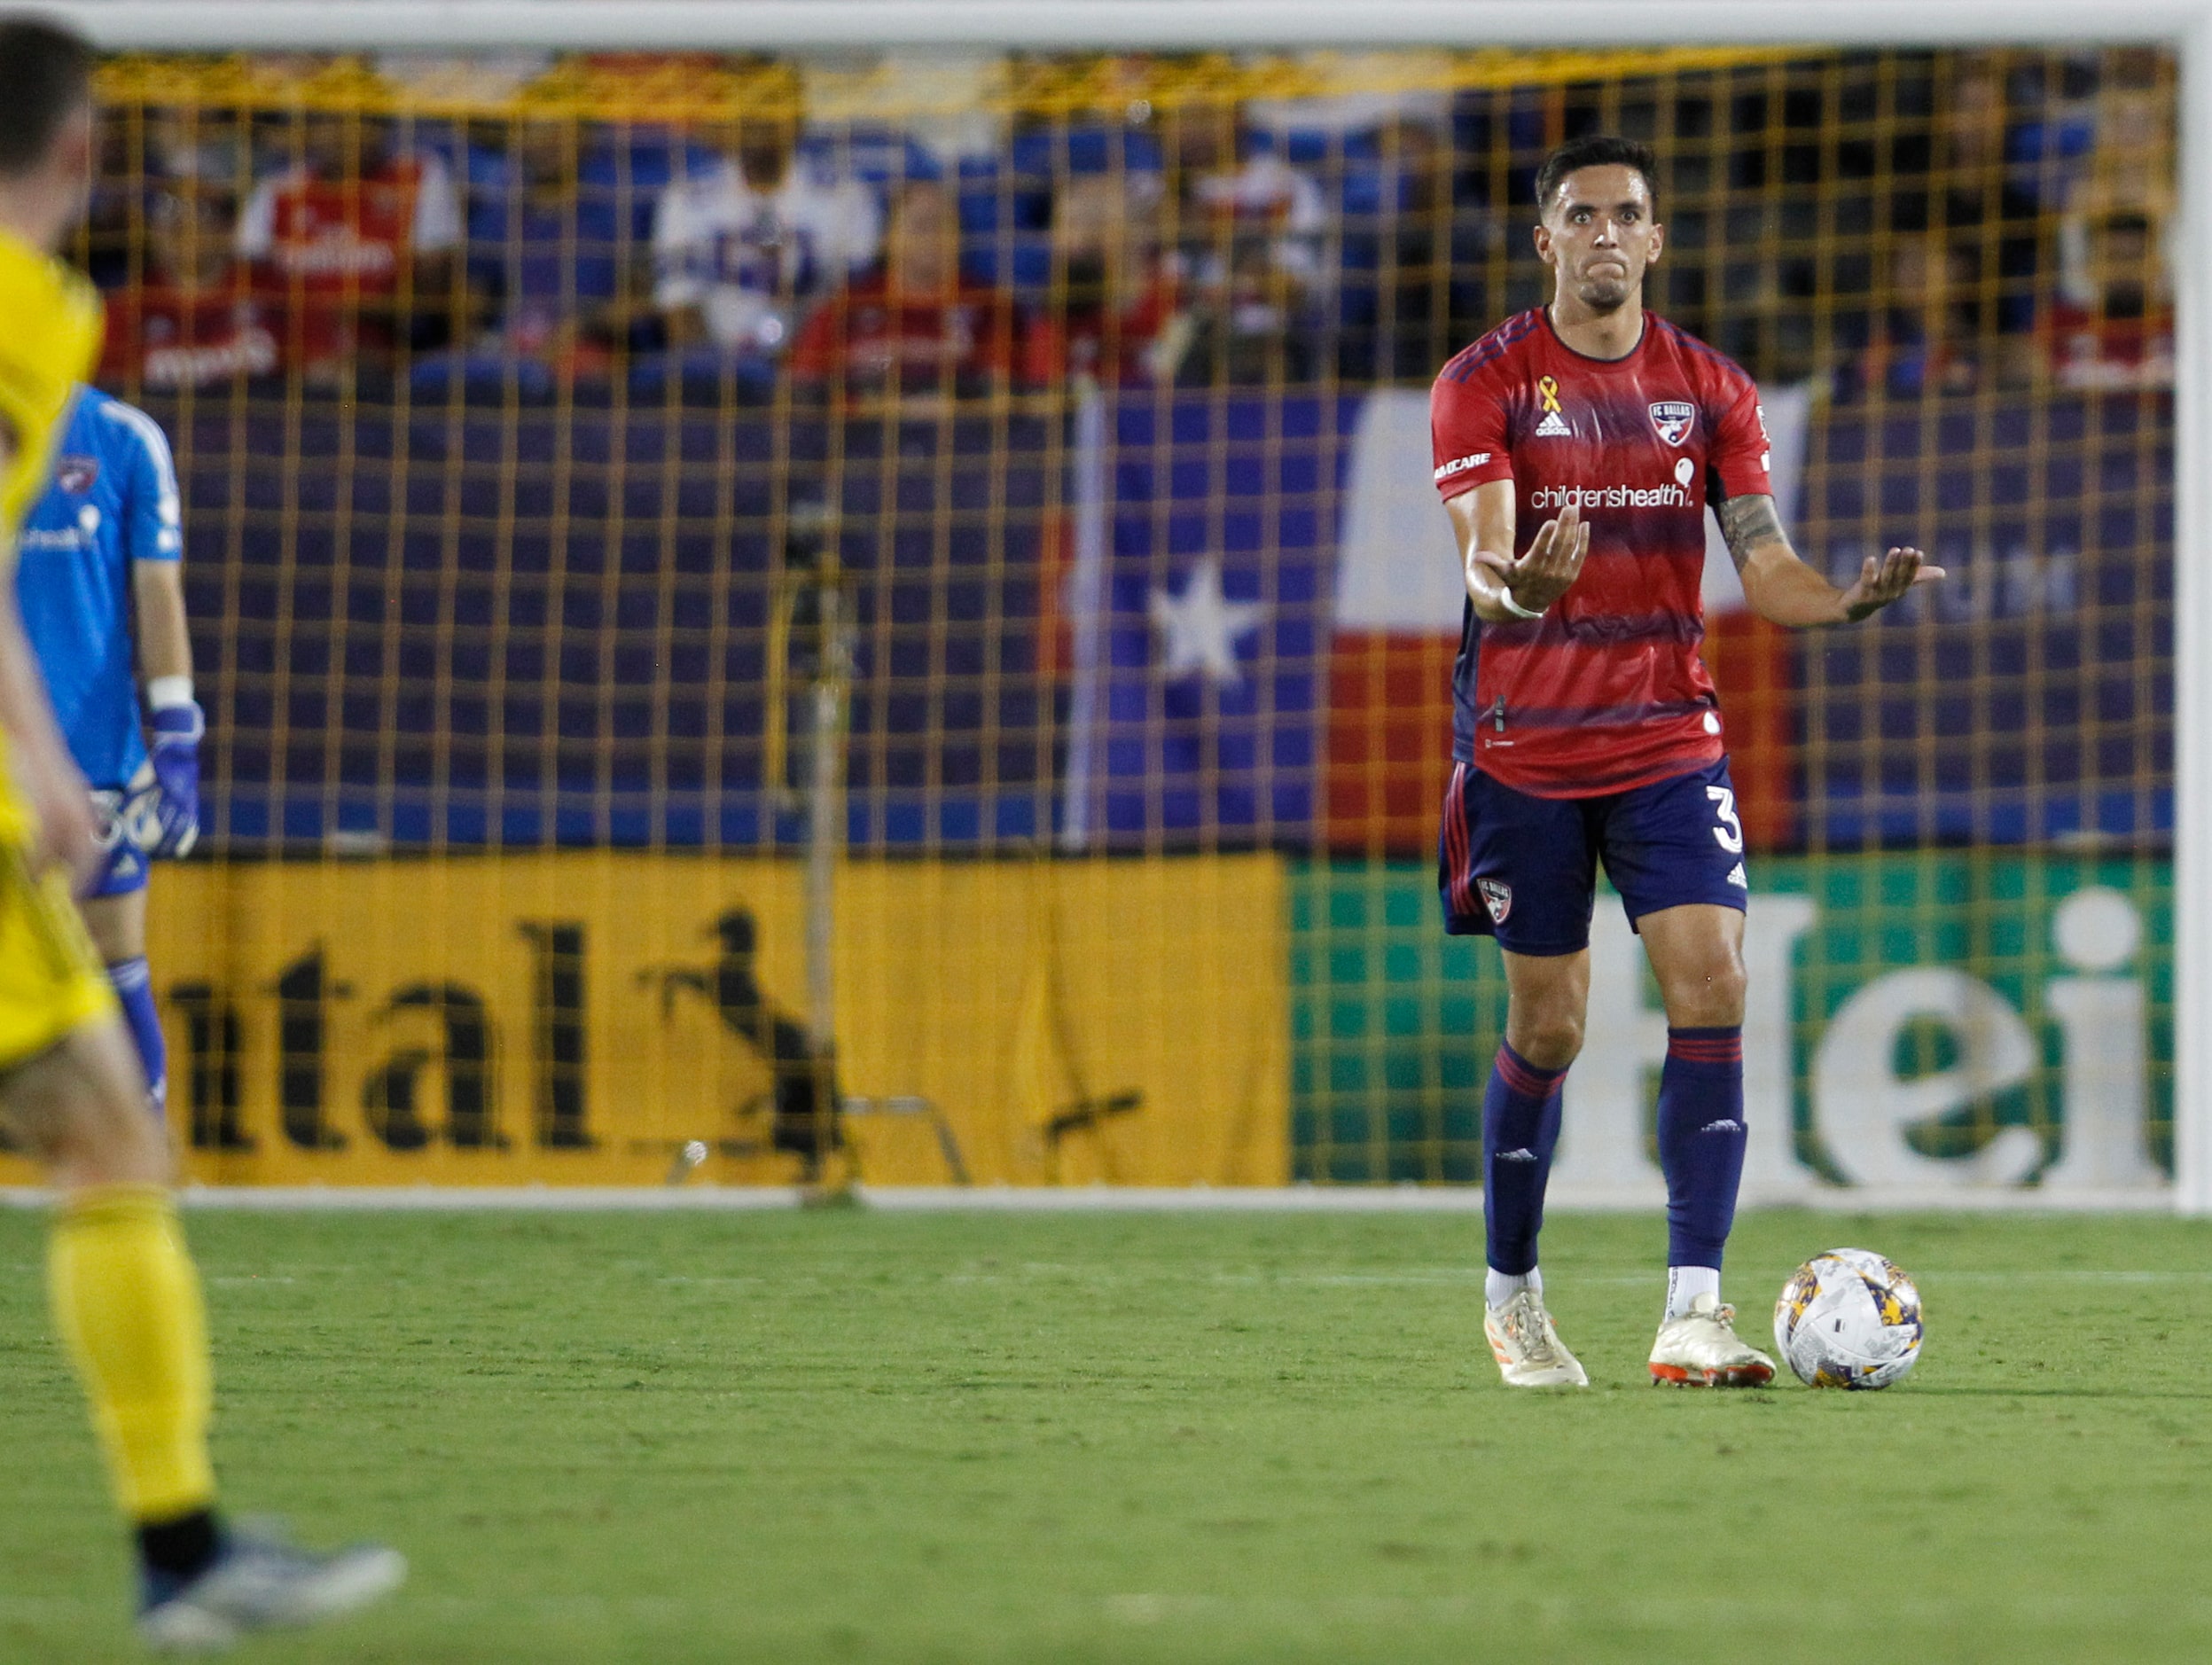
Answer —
918 26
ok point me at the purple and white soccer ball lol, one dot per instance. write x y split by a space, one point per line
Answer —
1848 1318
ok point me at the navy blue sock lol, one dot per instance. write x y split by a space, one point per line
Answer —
1520 1129
134 988
1701 1140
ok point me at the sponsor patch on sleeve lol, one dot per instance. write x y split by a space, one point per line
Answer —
1460 465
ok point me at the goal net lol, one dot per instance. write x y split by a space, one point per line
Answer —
766 614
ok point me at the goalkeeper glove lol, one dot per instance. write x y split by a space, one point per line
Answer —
165 816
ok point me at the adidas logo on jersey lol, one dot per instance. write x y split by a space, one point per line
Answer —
1726 1124
1735 877
1524 1154
1554 424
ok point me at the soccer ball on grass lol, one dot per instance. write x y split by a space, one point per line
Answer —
1848 1318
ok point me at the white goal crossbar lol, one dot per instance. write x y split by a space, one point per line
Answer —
1076 25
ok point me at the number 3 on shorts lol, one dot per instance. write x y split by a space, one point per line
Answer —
1730 833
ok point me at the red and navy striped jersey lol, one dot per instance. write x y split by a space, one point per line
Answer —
1605 692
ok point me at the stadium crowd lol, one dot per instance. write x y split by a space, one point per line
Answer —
1977 222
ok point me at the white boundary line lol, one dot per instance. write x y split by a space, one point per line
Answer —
1455 1200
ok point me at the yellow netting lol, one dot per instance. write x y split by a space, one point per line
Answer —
533 523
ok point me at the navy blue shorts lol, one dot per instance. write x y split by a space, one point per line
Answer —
1524 869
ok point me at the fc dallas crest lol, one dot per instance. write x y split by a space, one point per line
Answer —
75 474
1672 418
1497 897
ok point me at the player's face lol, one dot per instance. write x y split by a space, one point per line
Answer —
1598 235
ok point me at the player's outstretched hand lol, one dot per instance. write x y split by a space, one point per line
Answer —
1547 569
1882 582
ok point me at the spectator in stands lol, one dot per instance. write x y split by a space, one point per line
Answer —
1960 189
191 320
2112 325
1925 339
2117 154
204 146
743 247
354 244
913 332
552 267
119 178
1115 312
2119 331
1253 230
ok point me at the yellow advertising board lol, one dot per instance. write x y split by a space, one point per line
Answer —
579 1018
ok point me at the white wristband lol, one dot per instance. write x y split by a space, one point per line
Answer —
1505 600
164 693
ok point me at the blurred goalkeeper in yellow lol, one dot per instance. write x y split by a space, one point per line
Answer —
125 1298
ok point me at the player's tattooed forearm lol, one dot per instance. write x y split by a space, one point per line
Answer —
1748 521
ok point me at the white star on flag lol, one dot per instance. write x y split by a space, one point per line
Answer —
1202 627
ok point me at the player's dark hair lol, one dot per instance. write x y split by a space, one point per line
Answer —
46 75
1594 150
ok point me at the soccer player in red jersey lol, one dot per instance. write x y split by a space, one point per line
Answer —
1577 448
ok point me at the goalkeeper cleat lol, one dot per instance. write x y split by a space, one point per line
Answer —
1700 1348
1527 1346
260 1583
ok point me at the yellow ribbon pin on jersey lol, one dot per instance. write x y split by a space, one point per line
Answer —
1549 389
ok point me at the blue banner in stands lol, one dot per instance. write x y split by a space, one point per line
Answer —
529 626
2029 697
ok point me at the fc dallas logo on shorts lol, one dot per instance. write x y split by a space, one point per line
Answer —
1672 418
1497 897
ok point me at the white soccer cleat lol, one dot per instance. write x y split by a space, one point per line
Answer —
1527 1346
1701 1350
260 1583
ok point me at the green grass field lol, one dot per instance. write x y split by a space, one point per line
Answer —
851 1436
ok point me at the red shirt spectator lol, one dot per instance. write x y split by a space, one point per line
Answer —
2116 331
915 326
342 242
1140 342
193 321
2087 351
1118 312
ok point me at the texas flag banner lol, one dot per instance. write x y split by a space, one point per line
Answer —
1205 540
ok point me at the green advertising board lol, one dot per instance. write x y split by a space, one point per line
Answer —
1932 1021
